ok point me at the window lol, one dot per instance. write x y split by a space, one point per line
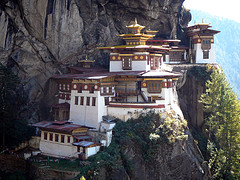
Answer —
80 88
93 101
51 136
76 100
69 139
106 99
88 101
149 99
82 100
110 90
45 135
205 54
126 63
91 88
60 86
56 137
154 86
62 138
104 90
68 97
206 44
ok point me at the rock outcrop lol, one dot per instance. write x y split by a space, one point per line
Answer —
190 90
41 38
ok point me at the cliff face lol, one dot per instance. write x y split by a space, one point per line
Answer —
41 38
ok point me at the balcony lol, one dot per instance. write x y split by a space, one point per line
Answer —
136 105
127 92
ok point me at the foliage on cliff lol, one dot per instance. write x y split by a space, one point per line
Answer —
222 126
13 129
147 133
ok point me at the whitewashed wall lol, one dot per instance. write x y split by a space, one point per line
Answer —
199 54
92 150
57 148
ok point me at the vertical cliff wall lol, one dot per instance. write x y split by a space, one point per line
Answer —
41 38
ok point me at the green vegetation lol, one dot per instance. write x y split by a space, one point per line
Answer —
12 129
222 126
145 133
12 176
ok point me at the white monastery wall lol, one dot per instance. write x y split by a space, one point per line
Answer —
161 94
88 115
57 148
83 114
167 58
124 113
199 54
116 66
92 150
63 101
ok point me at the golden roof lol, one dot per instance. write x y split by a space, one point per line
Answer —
86 60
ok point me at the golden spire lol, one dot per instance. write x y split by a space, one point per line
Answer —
195 22
135 28
203 20
135 22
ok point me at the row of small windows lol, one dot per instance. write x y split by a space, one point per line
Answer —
106 100
87 101
206 41
106 90
135 43
64 87
154 86
56 137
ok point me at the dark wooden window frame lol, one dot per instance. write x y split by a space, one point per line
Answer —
93 101
82 100
69 139
56 137
45 135
88 101
62 138
205 54
76 100
51 136
106 100
127 63
154 86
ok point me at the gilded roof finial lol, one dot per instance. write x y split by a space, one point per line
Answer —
203 20
135 22
195 22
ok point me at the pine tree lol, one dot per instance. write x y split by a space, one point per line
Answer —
223 122
13 129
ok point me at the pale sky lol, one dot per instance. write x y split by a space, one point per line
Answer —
224 8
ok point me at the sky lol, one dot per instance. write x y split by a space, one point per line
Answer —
224 8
